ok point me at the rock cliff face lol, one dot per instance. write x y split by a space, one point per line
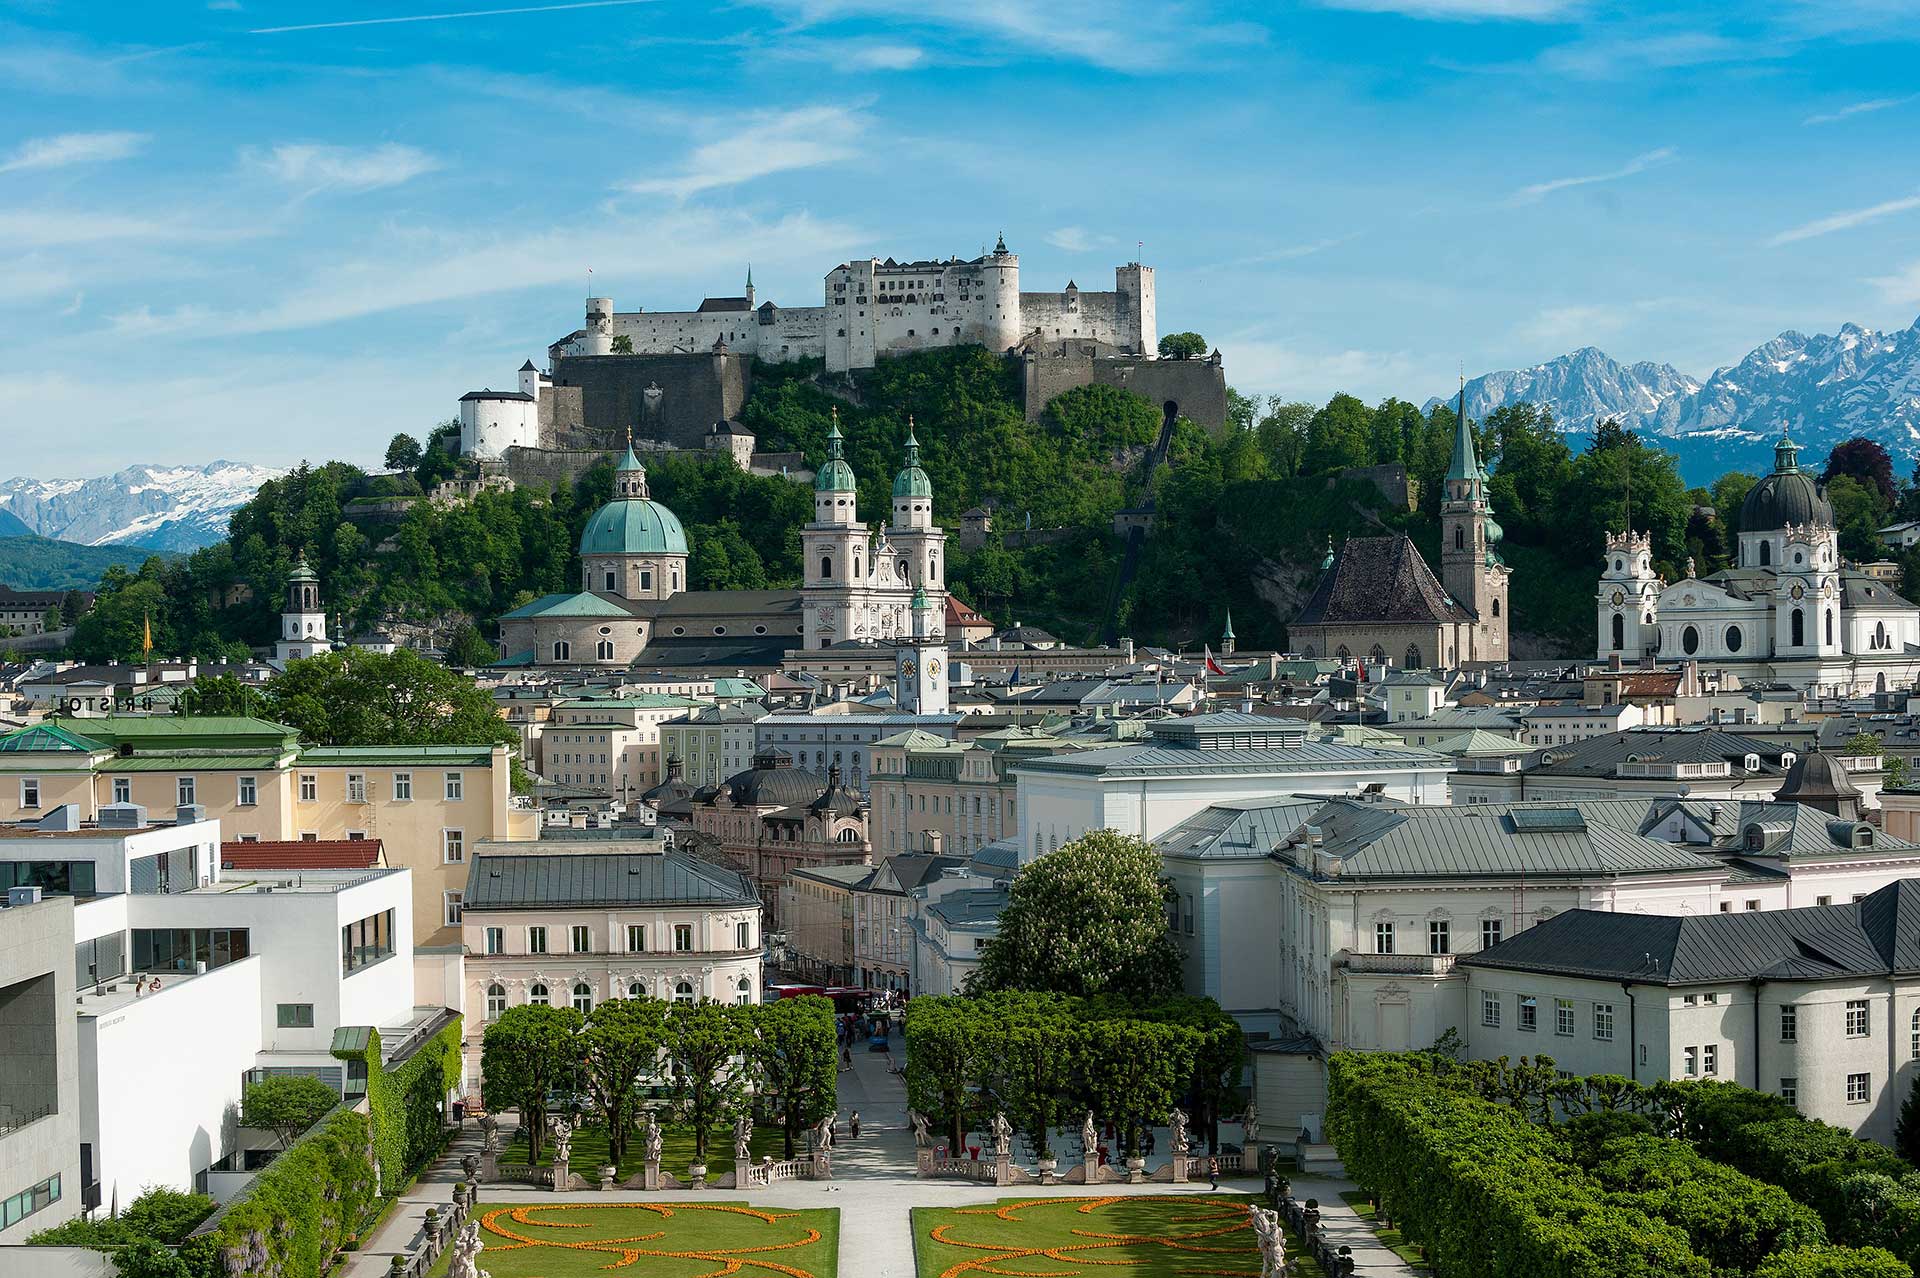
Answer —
162 507
1824 389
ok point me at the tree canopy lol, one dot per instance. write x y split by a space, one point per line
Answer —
1182 346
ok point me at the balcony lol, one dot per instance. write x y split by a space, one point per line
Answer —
1402 964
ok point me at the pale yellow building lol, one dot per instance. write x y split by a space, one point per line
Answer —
938 796
429 805
610 745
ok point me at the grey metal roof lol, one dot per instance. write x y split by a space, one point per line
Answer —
1229 830
970 907
1602 756
1877 936
1312 756
522 881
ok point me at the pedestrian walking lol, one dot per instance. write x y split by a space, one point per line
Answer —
1213 1173
846 1057
853 1124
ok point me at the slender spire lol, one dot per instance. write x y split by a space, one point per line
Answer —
1228 632
913 445
833 435
1466 464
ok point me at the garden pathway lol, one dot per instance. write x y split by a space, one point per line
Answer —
874 1188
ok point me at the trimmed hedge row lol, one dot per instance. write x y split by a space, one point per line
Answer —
408 1123
1733 1220
1486 1192
296 1214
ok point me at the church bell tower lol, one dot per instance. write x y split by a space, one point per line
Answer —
1470 567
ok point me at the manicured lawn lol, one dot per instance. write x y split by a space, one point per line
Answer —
1144 1236
655 1239
1390 1238
676 1150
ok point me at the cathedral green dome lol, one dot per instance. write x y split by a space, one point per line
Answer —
912 481
835 476
633 526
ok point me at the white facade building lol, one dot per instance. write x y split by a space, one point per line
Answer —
493 421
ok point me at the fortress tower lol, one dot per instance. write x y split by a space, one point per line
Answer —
1134 283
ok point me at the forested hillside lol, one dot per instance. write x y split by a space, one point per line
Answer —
1241 522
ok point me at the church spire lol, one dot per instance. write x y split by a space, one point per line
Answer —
1466 463
629 476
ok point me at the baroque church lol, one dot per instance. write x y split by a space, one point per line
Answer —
1378 600
860 586
1790 609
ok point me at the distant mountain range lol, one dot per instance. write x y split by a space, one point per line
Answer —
1822 389
174 508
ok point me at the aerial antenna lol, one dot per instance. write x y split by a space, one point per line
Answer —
589 281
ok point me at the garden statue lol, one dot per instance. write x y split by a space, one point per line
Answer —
743 1140
562 1139
922 1130
466 1253
654 1139
1251 1121
489 1132
1177 1130
1002 1136
1272 1241
823 1134
470 1166
1090 1137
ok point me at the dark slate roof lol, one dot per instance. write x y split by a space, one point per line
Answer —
1877 936
494 394
1861 591
1379 580
773 781
1250 828
711 304
1782 498
546 880
1602 756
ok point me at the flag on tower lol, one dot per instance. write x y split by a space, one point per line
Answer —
1213 667
146 633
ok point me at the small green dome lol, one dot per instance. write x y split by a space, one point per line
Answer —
633 527
835 476
912 481
1495 533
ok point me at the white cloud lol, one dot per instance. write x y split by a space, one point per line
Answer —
1077 239
1902 288
62 149
447 17
1638 164
779 142
1270 366
44 228
344 168
1465 10
1857 108
1845 221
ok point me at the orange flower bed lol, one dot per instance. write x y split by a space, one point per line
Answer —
521 1229
1190 1235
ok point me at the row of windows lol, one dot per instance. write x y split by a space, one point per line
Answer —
1527 1015
539 995
28 1201
247 789
1439 936
580 939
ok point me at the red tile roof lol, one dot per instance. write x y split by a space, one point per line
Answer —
958 614
302 854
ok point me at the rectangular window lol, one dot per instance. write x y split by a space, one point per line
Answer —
1383 938
123 789
1490 930
496 940
1529 1013
1790 1090
1789 1023
636 938
1439 937
183 792
1859 1089
1603 1022
367 941
453 846
1690 1062
456 788
296 1016
1490 1010
29 792
28 1201
309 788
453 902
683 937
536 940
356 787
402 787
743 936
1689 1000
1857 1024
582 940
249 792
1563 1017
1710 1059
1710 998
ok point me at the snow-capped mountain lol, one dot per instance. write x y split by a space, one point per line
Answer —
1823 389
161 507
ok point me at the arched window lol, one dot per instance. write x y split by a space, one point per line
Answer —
496 1001
1879 634
1619 632
1342 654
1829 625
1307 653
683 992
1378 653
1799 627
1496 607
537 994
743 992
637 990
582 997
1916 1036
1689 640
1734 638
848 836
826 566
1766 553
1459 537
1413 656
604 650
562 650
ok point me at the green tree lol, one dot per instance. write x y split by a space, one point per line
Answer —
1338 436
1130 1070
620 1044
529 1051
1089 918
221 695
1906 1131
468 647
145 1258
1857 513
947 1041
1866 461
356 697
622 345
794 1060
1833 1262
287 1105
1729 492
1282 432
1182 346
702 1040
403 452
1534 468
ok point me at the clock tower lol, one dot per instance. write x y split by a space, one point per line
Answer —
920 662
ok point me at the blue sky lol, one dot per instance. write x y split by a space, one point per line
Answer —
269 231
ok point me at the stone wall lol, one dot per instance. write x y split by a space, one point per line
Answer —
1198 386
1391 479
671 399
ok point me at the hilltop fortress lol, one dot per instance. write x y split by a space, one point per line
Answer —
673 375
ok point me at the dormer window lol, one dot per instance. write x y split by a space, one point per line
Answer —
1752 763
1787 759
1863 836
1755 841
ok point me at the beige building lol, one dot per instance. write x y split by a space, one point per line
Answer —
853 924
775 818
429 805
574 923
609 744
712 743
936 796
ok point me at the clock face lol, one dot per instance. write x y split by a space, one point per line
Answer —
933 666
1799 591
1619 597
